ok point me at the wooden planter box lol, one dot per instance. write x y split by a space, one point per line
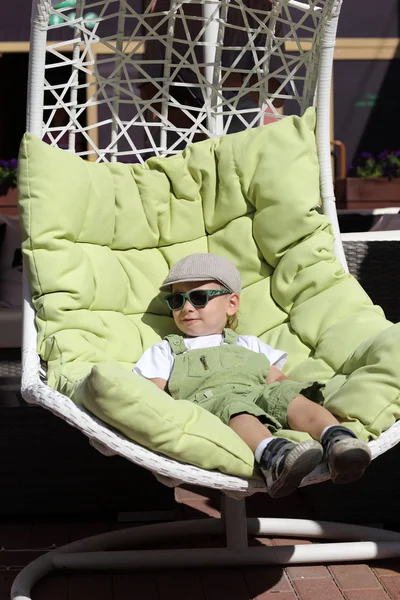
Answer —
359 192
8 202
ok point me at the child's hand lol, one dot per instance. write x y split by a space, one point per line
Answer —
275 375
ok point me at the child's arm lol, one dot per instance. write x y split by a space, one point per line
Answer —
275 375
275 357
161 383
156 365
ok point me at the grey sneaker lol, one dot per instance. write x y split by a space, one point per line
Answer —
347 456
284 464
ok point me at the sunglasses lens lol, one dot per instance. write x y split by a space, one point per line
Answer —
175 301
198 298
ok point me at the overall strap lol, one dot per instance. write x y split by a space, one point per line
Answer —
176 343
230 337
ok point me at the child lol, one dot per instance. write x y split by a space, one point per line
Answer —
238 379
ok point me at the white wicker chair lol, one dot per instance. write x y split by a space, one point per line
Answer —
291 46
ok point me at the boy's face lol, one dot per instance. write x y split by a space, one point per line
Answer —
211 318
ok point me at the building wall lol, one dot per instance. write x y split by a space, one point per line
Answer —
366 79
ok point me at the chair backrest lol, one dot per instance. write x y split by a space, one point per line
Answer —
112 80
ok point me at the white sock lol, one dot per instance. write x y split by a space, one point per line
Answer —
325 430
261 447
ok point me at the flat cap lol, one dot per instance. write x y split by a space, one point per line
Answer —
204 267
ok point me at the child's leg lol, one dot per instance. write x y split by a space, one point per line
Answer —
250 429
347 456
282 463
305 415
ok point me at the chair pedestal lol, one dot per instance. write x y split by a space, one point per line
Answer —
98 553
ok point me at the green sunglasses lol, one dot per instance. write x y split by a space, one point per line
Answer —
197 298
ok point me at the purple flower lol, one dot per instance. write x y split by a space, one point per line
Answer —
9 164
386 164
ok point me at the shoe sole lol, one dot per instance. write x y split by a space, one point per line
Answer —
299 462
349 460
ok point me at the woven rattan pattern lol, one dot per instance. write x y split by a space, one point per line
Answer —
375 266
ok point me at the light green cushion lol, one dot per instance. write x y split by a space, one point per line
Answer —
100 238
178 428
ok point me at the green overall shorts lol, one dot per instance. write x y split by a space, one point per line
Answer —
228 380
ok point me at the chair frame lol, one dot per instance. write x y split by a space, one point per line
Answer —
99 552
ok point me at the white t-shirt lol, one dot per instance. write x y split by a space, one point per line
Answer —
158 360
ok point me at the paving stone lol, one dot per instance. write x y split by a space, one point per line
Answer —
6 580
317 589
261 580
223 583
54 585
392 586
288 542
366 595
352 577
308 572
390 568
83 586
133 585
276 596
177 584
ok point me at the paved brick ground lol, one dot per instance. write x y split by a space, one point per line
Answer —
377 581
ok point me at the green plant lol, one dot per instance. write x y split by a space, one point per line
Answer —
386 165
8 175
